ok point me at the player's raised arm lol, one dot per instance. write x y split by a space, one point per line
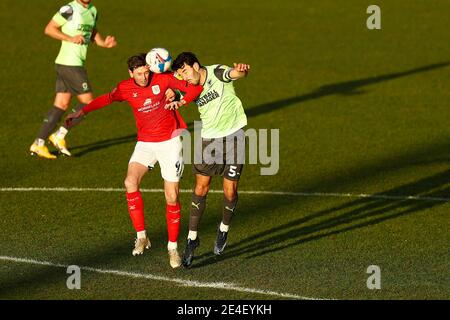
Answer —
240 70
97 103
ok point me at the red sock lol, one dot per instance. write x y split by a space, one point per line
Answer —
173 221
136 210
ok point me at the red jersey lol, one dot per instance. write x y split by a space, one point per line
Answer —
153 122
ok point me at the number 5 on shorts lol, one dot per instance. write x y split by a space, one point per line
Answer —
232 171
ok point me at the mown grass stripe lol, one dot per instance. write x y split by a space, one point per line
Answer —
181 282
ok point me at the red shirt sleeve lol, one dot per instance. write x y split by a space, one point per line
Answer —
192 92
104 100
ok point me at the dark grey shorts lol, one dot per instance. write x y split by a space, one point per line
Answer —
222 156
72 79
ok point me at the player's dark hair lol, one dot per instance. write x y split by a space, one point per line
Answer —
136 61
185 57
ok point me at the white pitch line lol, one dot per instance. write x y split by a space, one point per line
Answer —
279 193
181 282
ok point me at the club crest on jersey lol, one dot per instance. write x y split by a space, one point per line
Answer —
156 89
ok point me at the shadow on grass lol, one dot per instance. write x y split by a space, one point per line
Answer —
341 88
102 144
350 216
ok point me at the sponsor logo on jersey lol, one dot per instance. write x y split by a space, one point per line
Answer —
85 27
210 96
149 107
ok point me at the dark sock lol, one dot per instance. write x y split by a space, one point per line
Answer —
228 209
50 121
198 205
75 122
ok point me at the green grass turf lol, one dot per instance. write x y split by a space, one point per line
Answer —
359 111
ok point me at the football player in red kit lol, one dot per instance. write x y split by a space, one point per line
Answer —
158 141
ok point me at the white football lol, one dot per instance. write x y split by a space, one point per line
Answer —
159 60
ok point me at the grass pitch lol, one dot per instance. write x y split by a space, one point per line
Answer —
359 112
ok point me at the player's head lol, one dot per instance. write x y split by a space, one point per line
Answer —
138 69
187 66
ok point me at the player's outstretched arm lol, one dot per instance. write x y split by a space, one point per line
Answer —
53 29
98 103
108 42
240 70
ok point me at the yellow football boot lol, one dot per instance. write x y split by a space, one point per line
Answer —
59 144
41 151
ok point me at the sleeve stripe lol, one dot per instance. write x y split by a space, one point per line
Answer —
66 12
227 74
222 73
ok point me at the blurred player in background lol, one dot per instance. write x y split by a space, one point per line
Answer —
158 141
223 118
75 25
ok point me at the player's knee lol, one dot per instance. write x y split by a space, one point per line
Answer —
229 192
86 101
86 98
131 184
201 190
171 197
